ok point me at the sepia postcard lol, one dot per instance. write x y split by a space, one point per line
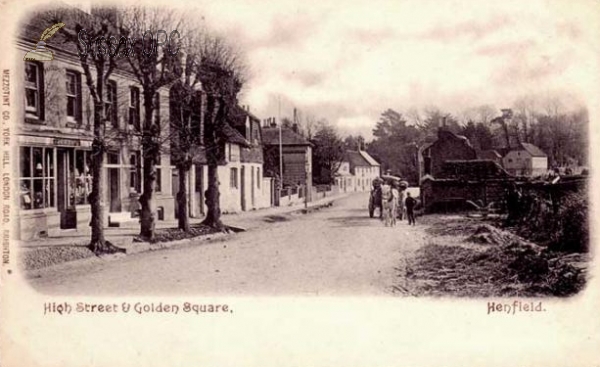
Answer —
299 183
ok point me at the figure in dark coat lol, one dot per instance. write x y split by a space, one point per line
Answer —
409 204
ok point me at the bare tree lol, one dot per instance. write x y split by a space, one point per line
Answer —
153 70
222 72
102 64
213 75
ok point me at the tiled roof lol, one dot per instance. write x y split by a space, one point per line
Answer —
288 137
368 158
533 150
356 159
488 154
233 136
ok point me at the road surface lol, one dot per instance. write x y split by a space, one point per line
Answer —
334 251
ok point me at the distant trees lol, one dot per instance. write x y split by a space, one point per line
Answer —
328 153
395 143
561 134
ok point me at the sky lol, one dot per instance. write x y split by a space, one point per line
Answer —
349 61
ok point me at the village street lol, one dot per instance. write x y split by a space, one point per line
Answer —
335 251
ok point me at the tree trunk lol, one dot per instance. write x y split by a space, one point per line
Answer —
150 151
213 155
182 199
213 212
98 243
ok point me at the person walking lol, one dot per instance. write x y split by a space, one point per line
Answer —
394 203
401 207
410 203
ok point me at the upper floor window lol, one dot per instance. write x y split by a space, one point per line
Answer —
255 133
34 96
73 97
134 107
156 103
110 103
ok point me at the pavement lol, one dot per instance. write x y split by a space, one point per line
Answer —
123 236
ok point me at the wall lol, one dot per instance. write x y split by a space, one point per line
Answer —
451 194
539 165
518 162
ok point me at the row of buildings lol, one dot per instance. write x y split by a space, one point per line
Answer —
54 138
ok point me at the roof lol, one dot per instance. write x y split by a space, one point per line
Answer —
270 136
233 136
356 159
533 150
488 154
368 158
472 169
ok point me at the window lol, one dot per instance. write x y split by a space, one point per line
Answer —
82 184
233 178
73 97
157 110
135 172
113 158
158 185
34 97
134 108
255 133
258 178
36 182
110 103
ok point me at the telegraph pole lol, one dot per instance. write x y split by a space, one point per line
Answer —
280 144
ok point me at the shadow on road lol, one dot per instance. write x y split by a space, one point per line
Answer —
276 218
354 221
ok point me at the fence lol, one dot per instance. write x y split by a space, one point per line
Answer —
297 194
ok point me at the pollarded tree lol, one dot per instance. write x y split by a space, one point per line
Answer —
154 62
222 73
98 64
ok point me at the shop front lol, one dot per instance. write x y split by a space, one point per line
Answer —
54 183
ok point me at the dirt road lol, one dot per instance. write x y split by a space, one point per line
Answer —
335 251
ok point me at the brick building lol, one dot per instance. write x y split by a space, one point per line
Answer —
296 152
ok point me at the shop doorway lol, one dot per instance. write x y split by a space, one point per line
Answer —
113 190
65 194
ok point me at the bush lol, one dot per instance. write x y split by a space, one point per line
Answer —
573 234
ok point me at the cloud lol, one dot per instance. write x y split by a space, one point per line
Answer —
349 63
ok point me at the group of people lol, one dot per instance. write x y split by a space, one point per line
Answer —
395 203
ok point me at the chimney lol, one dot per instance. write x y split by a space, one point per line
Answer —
295 126
295 116
273 122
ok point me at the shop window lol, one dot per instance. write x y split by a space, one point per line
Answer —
258 177
36 183
134 108
110 102
73 97
82 183
135 173
34 96
233 178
